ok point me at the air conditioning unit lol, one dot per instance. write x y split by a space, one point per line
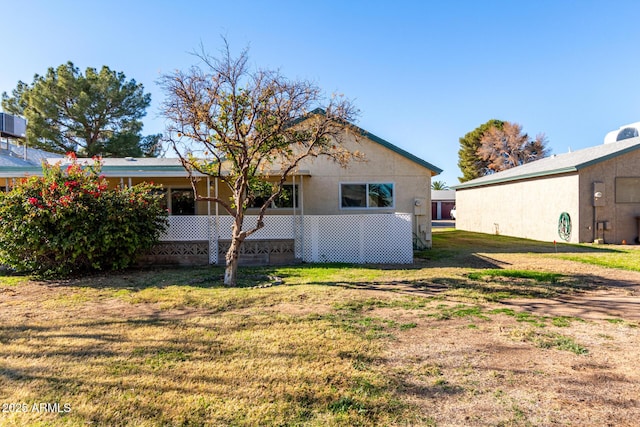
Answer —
624 132
12 126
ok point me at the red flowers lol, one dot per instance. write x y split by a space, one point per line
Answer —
33 201
65 201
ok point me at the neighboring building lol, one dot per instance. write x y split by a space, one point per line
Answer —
16 161
583 196
442 201
371 211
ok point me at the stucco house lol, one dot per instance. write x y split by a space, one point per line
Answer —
373 211
583 196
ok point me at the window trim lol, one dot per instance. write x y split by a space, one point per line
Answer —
366 184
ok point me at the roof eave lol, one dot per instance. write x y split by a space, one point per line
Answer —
488 182
608 156
434 169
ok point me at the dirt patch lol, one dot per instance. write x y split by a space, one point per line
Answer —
486 372
499 370
607 292
485 366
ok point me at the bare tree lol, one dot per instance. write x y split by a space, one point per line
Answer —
507 147
239 125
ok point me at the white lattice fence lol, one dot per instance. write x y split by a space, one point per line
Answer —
194 227
185 228
275 227
377 238
374 238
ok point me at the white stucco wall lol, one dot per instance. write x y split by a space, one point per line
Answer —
529 209
381 165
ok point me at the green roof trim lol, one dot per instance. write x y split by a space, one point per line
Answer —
139 170
608 156
19 172
400 151
514 178
571 162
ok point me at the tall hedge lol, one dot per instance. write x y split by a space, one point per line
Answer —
69 221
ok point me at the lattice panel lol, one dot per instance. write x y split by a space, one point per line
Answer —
258 247
376 238
186 228
180 249
275 227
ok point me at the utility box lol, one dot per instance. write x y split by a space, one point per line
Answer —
598 194
420 206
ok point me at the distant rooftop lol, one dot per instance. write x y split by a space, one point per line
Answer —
558 163
14 155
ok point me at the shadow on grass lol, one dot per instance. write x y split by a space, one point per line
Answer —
159 277
457 248
452 248
110 358
485 290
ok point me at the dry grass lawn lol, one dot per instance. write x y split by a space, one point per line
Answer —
482 330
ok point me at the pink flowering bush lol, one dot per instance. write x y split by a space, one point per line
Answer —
68 221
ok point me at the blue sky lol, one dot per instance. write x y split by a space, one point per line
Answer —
422 73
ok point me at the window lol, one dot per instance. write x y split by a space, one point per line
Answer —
627 190
183 202
287 199
370 195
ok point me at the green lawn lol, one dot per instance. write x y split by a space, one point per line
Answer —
175 347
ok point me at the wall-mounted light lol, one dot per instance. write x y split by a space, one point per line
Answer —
597 194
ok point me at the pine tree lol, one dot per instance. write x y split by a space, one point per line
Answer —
470 164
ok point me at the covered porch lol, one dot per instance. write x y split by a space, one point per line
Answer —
371 238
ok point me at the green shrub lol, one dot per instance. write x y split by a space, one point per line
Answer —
68 221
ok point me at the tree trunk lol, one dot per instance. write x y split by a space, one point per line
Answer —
231 258
231 269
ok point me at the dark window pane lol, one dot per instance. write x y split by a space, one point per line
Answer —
380 195
354 196
183 202
286 199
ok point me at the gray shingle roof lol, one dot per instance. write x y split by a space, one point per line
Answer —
558 163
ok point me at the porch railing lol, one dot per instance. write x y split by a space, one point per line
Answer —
372 238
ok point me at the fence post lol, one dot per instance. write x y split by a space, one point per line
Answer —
213 240
314 238
362 258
